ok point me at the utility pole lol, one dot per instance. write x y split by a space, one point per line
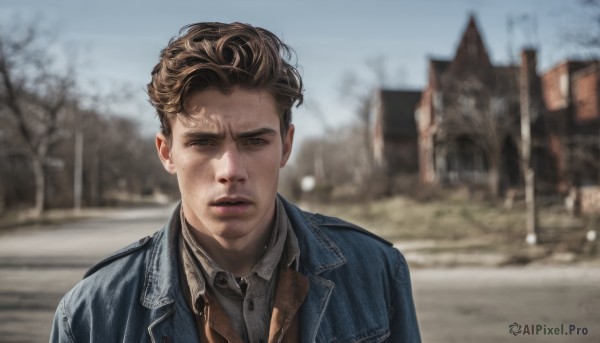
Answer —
527 75
78 165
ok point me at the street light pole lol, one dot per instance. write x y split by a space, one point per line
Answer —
78 166
528 68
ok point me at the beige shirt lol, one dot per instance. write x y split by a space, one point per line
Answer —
248 301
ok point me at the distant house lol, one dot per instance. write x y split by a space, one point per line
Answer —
469 118
571 96
467 121
396 137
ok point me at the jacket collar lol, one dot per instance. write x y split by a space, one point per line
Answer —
161 282
318 254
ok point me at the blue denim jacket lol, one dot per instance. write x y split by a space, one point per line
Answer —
359 290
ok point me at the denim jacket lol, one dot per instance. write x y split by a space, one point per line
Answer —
359 290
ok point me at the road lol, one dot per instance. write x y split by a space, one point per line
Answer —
38 265
478 304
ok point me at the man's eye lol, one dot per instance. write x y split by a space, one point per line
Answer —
202 143
256 142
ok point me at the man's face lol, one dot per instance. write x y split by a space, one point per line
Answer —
226 154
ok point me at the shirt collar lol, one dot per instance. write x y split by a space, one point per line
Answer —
208 265
282 245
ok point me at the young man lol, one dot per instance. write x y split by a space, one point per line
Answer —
236 262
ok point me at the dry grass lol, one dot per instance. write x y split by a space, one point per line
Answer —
472 225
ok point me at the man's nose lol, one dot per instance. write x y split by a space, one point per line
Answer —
230 167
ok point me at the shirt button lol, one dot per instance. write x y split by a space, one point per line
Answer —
250 305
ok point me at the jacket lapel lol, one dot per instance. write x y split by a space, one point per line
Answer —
160 330
161 282
318 254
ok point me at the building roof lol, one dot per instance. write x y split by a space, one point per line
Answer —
471 51
398 113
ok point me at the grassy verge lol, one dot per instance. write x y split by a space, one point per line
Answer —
466 226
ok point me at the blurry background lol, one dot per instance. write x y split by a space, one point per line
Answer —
90 62
466 132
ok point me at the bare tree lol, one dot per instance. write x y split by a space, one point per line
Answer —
584 33
581 137
340 171
34 98
479 111
360 94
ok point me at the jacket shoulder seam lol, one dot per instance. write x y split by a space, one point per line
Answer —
118 255
340 223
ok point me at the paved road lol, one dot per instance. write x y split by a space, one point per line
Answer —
37 266
478 304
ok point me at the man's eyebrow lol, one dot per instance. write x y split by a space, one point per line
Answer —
263 131
213 135
202 135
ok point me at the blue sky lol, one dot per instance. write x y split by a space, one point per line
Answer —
118 42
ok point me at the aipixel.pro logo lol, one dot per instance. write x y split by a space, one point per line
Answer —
516 329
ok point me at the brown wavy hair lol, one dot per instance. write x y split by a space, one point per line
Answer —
224 56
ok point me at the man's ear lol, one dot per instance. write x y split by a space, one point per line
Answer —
163 146
288 142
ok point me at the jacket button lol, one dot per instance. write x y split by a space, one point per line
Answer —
251 305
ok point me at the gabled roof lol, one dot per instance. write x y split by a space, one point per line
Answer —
471 51
398 113
471 56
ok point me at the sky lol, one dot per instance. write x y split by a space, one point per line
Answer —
114 44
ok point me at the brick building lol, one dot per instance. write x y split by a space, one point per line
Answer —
465 126
571 99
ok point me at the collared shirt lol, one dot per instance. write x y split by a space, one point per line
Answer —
248 302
